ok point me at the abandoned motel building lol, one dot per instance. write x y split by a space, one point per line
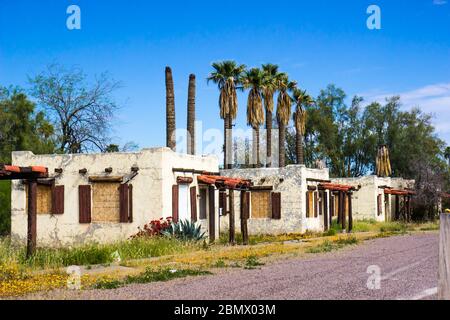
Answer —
60 200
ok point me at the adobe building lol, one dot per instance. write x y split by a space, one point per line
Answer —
294 199
106 197
381 199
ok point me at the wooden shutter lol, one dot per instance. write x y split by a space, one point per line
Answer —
212 213
175 194
130 195
245 205
325 210
223 202
58 200
307 204
124 202
194 204
84 202
321 193
316 205
276 205
380 205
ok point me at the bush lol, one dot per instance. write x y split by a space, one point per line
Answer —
186 231
154 228
5 207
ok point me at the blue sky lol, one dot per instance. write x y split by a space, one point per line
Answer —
316 42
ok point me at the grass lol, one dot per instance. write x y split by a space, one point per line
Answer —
252 262
94 254
328 246
148 276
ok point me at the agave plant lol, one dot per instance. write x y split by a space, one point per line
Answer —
185 230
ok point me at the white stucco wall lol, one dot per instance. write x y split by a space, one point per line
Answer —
152 192
365 205
292 184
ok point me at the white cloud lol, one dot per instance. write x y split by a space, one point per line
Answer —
434 99
439 2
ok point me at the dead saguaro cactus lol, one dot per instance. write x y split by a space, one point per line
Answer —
383 162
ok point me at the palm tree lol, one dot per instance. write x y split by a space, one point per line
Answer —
227 75
447 155
283 113
302 100
269 88
254 80
191 116
170 111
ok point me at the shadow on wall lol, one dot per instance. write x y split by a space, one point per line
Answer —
5 208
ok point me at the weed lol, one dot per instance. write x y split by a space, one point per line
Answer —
252 262
162 275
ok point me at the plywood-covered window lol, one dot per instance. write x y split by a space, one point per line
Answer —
44 199
105 202
261 204
310 205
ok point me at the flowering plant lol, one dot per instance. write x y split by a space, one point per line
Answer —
154 228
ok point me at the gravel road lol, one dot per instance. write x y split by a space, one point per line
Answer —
408 266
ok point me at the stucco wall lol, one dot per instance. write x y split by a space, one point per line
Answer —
292 184
152 190
365 205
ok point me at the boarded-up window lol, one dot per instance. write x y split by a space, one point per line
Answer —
203 203
44 199
106 202
310 206
261 205
336 205
276 205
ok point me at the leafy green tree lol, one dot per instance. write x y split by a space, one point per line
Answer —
21 128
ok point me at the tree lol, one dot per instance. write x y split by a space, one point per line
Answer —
81 112
301 99
254 80
284 85
227 75
191 116
21 128
269 88
447 155
170 111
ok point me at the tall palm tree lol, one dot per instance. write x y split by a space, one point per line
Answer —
170 111
284 85
302 100
269 88
191 116
227 75
447 155
254 80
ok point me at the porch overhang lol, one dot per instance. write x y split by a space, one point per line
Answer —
225 182
399 192
336 187
9 172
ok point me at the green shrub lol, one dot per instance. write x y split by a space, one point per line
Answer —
164 274
328 246
252 262
5 208
185 230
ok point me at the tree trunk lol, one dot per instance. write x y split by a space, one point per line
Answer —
269 119
299 148
281 148
170 111
256 161
228 137
191 116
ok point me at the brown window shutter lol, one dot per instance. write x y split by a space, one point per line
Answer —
223 202
124 203
245 205
321 193
194 204
130 214
276 205
307 204
84 202
380 210
58 200
316 205
212 213
175 192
